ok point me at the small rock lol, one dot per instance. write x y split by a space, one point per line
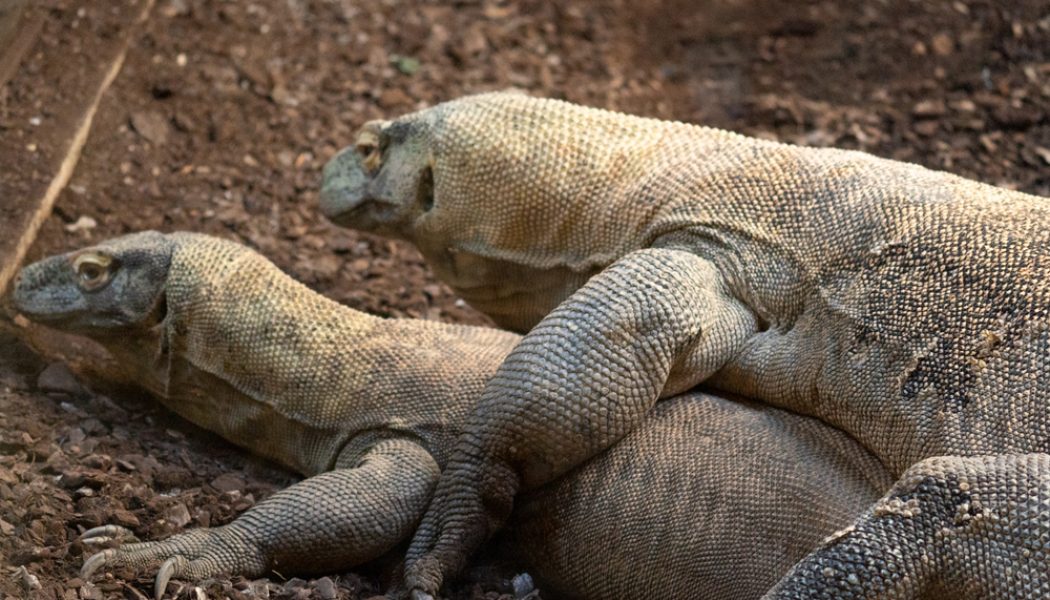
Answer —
76 435
175 8
89 591
260 589
84 492
125 518
178 515
964 105
84 223
146 465
71 408
71 479
323 267
58 378
393 98
29 581
326 588
152 126
1016 117
1044 153
286 158
929 108
101 462
927 128
228 482
29 555
942 44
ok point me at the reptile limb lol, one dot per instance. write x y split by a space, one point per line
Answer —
951 527
325 523
608 350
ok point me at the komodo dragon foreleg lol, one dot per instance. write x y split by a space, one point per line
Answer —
577 383
325 523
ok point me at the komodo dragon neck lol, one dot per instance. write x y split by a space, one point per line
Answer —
330 365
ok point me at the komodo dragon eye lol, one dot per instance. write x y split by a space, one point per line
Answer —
368 146
93 270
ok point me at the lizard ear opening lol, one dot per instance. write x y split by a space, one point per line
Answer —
370 144
425 190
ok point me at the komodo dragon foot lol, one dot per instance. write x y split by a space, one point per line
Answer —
324 523
193 555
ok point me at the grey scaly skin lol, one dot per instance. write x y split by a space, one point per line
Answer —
368 410
907 307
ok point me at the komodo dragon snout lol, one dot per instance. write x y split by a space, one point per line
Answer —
383 182
116 285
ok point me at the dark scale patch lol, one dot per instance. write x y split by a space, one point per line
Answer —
397 132
952 379
941 500
951 313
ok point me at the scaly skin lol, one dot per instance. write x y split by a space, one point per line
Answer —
904 306
368 409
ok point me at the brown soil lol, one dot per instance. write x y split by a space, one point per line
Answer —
225 112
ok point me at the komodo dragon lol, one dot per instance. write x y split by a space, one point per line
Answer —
707 498
905 306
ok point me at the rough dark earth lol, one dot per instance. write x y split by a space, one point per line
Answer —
225 112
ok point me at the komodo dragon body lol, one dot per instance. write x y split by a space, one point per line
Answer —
905 306
369 408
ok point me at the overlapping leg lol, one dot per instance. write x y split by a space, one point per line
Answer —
653 324
328 522
951 527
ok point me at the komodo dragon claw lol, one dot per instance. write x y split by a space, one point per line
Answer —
107 533
195 554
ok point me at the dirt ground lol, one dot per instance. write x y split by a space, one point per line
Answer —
225 112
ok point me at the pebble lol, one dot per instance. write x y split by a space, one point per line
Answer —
151 125
57 377
228 482
83 223
326 588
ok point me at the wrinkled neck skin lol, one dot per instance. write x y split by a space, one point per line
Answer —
254 356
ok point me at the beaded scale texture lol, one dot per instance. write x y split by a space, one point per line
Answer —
904 306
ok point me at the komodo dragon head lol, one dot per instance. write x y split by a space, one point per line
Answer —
103 290
513 203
